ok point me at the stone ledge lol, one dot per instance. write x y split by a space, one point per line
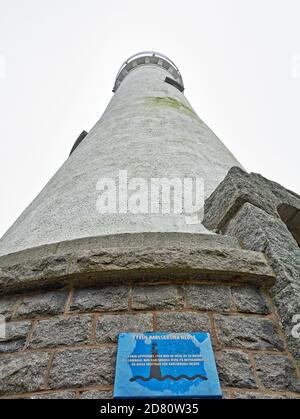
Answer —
239 188
144 256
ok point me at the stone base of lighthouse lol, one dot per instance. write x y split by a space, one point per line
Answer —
66 304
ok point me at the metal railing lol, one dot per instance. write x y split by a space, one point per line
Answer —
143 58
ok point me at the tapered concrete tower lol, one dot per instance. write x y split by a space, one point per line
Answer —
73 277
150 130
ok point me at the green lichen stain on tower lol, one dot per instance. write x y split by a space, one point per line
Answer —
172 103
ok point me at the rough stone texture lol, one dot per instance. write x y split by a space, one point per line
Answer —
157 297
96 395
16 334
291 217
213 259
250 300
239 187
177 261
226 395
7 305
235 369
81 259
58 332
80 368
31 267
22 374
264 216
63 395
262 232
90 369
183 322
288 305
42 304
259 396
109 326
209 297
101 299
276 372
250 333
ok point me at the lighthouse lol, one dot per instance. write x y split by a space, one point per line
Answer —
80 265
149 130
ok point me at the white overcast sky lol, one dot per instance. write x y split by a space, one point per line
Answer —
240 60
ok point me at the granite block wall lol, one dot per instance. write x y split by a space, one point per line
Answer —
61 343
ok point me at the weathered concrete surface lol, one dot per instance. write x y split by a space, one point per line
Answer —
151 255
148 129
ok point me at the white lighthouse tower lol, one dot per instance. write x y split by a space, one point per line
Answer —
149 130
88 260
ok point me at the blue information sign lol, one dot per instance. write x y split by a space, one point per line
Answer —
166 365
